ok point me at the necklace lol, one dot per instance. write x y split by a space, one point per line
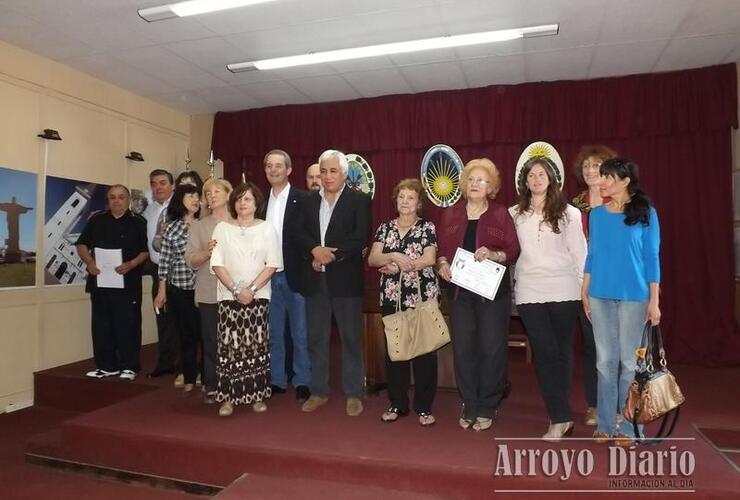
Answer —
244 228
474 212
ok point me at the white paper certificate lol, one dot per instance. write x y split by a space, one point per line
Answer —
107 260
482 278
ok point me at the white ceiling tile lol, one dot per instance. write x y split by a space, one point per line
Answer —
694 52
273 93
112 70
25 32
625 58
636 20
494 70
182 29
226 98
712 16
185 101
168 67
378 82
325 88
207 53
570 64
436 76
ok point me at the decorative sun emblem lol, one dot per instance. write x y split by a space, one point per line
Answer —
440 175
539 149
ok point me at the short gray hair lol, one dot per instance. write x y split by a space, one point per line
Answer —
333 153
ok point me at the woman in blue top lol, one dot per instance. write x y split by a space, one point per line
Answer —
620 286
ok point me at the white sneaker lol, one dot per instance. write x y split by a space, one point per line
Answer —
179 380
101 373
128 375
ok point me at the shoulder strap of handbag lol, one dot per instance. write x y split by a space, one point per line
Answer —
651 335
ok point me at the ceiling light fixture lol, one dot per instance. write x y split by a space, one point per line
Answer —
396 48
192 8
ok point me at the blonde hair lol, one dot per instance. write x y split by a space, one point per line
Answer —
489 168
220 182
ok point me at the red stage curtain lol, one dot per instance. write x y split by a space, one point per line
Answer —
676 126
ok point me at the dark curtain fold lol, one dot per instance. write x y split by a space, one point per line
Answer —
676 126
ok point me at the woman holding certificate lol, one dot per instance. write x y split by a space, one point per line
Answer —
548 280
405 249
480 327
620 286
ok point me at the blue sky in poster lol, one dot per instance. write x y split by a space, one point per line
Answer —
22 185
58 190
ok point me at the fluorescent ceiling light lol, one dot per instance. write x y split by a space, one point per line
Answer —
396 48
192 8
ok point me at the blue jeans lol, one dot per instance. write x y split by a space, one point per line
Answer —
290 305
618 326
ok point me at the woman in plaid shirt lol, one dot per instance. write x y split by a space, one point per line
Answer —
177 279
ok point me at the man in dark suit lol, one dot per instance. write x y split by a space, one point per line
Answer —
286 302
332 229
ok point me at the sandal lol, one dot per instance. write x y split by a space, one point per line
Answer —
482 424
392 414
465 423
426 419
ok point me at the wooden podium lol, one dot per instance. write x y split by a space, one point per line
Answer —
374 340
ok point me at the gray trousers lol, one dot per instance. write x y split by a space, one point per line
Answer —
208 327
348 313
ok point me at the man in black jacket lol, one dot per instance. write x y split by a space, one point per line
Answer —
286 302
331 231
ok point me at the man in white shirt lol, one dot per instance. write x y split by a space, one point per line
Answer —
287 302
162 185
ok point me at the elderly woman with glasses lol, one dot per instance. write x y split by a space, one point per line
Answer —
480 327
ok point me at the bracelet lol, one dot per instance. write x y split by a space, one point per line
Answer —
253 288
235 290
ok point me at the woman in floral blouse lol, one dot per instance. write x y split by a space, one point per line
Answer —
405 250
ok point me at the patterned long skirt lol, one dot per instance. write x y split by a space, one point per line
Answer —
243 368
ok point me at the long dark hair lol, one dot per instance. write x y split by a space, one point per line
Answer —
176 209
555 203
638 208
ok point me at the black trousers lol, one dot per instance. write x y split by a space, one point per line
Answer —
589 359
209 337
116 323
167 347
550 330
425 382
480 331
182 309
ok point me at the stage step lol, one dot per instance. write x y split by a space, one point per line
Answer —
250 486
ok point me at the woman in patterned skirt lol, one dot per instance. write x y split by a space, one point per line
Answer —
244 259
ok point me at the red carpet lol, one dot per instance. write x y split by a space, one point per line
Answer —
164 432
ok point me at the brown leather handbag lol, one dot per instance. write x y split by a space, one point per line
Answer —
654 393
415 331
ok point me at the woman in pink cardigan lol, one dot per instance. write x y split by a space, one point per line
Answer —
480 327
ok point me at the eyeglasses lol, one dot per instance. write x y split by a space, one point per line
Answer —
471 180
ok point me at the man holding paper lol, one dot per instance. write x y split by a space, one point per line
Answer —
113 246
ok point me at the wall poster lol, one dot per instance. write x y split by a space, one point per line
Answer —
17 228
69 205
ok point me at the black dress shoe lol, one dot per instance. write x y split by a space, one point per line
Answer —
277 389
302 393
158 372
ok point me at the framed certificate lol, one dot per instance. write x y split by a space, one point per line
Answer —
482 278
